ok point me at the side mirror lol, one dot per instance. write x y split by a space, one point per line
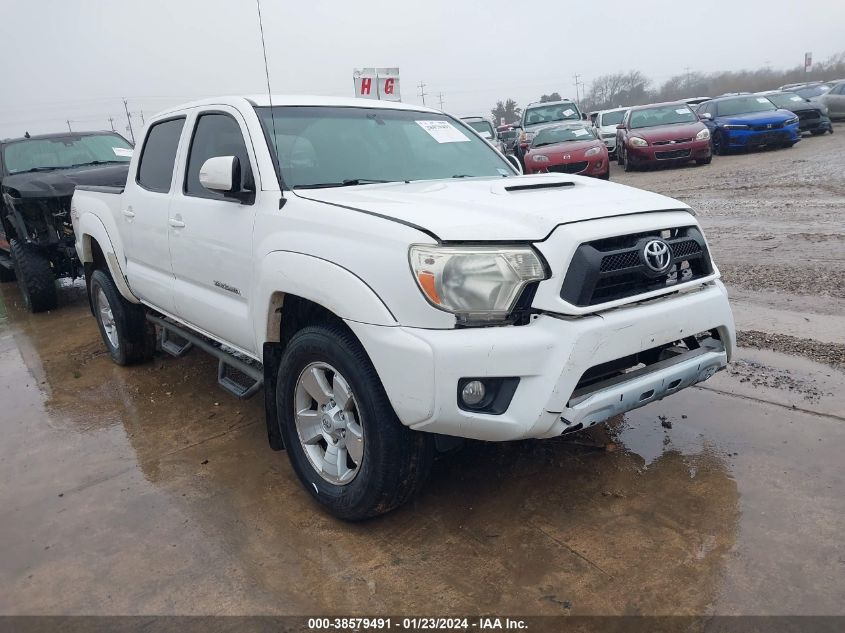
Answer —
220 174
515 162
705 116
620 126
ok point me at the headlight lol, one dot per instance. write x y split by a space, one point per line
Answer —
480 283
539 158
824 109
636 141
592 151
735 126
703 135
791 121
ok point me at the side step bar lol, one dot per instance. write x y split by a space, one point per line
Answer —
237 377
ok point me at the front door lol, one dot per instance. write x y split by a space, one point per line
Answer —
211 234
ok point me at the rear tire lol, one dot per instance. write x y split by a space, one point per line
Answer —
35 277
393 461
127 335
620 159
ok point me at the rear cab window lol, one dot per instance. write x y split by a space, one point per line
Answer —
158 155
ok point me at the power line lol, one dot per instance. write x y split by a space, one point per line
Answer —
111 122
422 92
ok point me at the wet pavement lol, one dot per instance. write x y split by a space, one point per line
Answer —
148 490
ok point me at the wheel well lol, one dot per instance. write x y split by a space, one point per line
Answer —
98 262
296 313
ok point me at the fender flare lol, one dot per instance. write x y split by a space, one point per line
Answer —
326 283
90 227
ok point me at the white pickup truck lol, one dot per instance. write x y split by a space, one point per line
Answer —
393 282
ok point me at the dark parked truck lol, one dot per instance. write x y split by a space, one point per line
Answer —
38 175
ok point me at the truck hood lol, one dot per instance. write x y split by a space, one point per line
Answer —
491 209
62 182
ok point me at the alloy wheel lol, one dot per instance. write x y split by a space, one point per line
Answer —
328 423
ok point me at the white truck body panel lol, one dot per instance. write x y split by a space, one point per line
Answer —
223 267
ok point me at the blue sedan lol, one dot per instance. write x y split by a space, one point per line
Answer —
748 121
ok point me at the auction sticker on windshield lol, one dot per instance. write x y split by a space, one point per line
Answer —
568 112
443 131
580 132
122 151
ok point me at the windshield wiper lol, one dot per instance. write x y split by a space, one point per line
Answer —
350 182
100 162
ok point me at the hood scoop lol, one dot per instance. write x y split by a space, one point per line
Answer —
540 185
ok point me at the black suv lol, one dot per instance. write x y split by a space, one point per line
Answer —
37 177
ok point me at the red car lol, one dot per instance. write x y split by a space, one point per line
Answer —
568 149
661 133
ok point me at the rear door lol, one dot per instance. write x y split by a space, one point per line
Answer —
143 220
211 234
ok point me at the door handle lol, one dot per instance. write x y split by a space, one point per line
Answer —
176 224
129 213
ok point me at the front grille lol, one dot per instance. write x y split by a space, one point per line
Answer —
677 140
614 268
767 126
768 138
569 168
675 153
804 115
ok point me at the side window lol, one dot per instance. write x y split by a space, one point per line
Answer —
158 156
215 134
838 90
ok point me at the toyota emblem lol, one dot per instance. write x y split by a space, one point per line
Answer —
657 255
567 156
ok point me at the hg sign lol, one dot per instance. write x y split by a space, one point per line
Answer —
377 83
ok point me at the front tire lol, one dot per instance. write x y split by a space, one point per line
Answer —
704 161
126 333
344 441
35 277
718 144
620 159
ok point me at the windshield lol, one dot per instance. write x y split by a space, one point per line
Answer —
612 118
65 151
785 99
561 135
664 115
552 113
509 135
812 91
744 105
320 146
482 127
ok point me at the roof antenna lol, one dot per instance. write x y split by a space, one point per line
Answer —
270 96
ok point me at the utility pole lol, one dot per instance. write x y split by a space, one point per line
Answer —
440 99
577 84
68 126
111 122
422 93
129 120
142 116
686 70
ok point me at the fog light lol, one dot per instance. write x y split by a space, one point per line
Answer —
473 392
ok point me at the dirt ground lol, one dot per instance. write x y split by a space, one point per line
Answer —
149 490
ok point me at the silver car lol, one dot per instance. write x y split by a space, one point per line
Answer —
834 99
605 123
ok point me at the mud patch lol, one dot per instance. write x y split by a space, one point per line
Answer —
832 354
762 375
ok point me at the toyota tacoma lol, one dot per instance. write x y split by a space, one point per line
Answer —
394 283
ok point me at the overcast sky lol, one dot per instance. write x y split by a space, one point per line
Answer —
75 59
